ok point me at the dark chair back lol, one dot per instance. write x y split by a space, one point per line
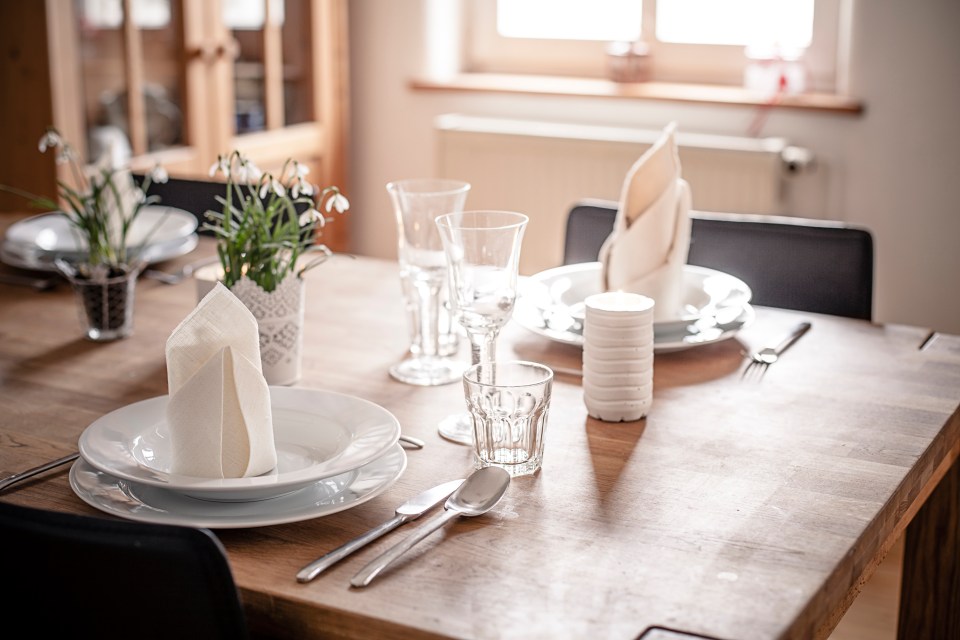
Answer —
820 266
195 196
92 577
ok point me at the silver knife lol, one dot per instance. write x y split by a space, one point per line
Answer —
409 510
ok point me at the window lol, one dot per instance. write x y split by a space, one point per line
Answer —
108 14
694 41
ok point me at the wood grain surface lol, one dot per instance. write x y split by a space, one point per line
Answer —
738 510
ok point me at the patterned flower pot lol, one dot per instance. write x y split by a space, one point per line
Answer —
279 315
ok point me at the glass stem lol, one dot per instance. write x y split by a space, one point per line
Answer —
483 348
429 315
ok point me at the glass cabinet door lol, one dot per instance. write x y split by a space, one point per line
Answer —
131 76
271 64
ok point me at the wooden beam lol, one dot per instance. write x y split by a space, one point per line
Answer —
133 67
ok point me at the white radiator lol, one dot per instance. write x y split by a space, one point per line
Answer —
543 168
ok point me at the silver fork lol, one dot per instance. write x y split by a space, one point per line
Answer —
178 276
760 360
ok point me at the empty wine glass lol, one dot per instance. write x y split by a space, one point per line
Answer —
482 249
424 278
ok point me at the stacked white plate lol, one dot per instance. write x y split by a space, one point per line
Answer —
158 233
714 306
335 451
618 356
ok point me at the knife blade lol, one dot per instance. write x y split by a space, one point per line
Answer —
409 510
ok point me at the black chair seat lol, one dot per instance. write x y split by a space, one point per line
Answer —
92 577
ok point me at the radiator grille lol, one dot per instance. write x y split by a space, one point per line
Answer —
543 168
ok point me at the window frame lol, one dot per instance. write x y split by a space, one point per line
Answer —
485 51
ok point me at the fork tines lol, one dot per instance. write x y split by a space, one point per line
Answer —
755 369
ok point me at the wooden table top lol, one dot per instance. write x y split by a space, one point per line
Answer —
736 509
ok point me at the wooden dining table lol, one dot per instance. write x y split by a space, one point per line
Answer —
739 508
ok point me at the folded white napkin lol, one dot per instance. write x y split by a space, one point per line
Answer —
219 409
648 247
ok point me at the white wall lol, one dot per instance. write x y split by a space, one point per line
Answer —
895 169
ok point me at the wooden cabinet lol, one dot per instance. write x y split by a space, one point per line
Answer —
176 82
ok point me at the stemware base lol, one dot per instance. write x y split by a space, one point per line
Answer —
428 371
457 428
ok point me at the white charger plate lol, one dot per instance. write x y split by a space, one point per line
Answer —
318 434
145 503
715 306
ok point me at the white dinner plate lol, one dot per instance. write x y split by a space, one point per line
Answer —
53 232
715 306
136 501
37 260
318 434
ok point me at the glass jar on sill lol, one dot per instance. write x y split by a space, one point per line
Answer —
628 61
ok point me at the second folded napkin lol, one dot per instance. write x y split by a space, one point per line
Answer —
647 249
219 408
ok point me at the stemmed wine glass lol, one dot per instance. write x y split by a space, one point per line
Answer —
482 249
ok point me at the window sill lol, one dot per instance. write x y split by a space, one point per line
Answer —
674 92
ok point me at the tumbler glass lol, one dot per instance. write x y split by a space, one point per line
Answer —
509 403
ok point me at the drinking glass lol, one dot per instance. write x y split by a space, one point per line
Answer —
483 255
509 402
424 278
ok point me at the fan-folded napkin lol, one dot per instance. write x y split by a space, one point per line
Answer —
218 412
647 249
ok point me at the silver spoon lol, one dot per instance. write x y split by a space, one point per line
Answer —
477 495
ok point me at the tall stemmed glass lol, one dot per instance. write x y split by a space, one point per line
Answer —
483 255
424 277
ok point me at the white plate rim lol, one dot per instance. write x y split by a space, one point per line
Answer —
184 224
98 489
744 318
114 456
671 336
155 253
739 291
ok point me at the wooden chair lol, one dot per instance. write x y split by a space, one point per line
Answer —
69 575
821 266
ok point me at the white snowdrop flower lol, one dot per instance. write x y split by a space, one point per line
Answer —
311 215
159 174
50 140
338 202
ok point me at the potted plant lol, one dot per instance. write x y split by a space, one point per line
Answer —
101 204
267 231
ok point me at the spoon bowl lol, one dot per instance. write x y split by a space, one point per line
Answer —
477 495
480 493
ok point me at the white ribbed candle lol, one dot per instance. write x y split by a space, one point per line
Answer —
618 356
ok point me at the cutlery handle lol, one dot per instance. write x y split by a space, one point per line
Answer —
29 473
416 443
381 562
798 331
322 563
